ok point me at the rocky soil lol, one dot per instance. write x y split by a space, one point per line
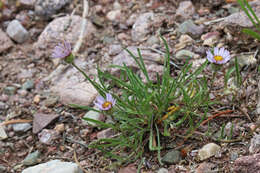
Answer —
39 131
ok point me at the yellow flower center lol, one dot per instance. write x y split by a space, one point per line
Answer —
218 58
106 104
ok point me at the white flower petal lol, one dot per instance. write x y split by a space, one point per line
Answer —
109 97
221 51
210 57
100 99
216 51
99 106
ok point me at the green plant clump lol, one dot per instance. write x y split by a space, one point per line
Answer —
146 111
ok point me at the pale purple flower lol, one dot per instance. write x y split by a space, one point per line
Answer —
62 50
219 56
105 104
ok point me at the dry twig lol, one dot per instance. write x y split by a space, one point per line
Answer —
83 27
15 121
77 162
216 115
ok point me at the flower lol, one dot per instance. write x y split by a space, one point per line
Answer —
105 104
219 56
62 50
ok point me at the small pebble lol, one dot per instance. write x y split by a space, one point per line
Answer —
37 99
59 128
17 32
208 151
22 127
32 158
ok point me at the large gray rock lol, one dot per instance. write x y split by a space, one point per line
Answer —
62 28
17 32
152 61
54 166
188 27
71 86
125 58
5 41
142 26
240 18
46 8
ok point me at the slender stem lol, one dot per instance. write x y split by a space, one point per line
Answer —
94 84
239 80
81 71
213 78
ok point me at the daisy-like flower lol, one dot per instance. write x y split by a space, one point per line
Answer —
219 56
105 104
63 51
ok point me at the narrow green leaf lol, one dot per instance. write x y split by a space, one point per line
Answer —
252 33
242 4
228 75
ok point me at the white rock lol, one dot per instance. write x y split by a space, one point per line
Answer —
93 115
3 135
255 144
48 136
196 63
114 15
162 170
142 26
81 93
184 40
185 10
22 127
17 32
54 166
210 38
208 150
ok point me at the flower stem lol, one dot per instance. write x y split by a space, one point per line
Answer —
213 78
93 83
